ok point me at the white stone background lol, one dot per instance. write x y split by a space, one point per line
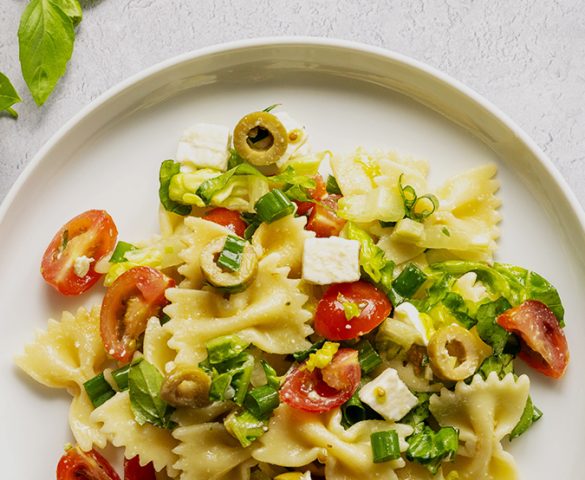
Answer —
526 56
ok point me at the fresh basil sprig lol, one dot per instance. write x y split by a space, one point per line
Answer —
46 35
8 96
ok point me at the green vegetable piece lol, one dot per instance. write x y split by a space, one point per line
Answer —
409 281
120 376
302 355
431 448
332 186
424 207
290 177
530 415
489 330
354 411
225 348
210 187
456 305
385 446
183 186
351 310
120 251
502 364
245 427
45 38
261 401
98 390
367 356
371 256
8 96
230 257
272 379
168 169
271 107
234 159
273 205
72 9
419 414
230 378
298 193
144 385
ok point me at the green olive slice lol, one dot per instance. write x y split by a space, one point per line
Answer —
260 138
224 279
186 386
456 353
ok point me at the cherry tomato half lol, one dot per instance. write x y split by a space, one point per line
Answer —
76 464
323 220
131 300
91 234
133 470
543 343
228 218
330 317
317 194
310 392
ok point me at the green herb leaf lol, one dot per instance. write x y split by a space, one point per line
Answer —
210 187
72 9
418 415
489 330
45 38
502 364
8 96
530 415
304 354
245 427
371 256
431 448
144 384
120 251
351 310
271 107
168 169
332 186
222 349
272 378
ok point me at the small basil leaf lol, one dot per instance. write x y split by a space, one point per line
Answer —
8 96
72 9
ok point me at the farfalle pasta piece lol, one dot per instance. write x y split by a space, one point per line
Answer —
269 314
296 438
155 345
68 353
86 430
484 412
152 444
286 238
208 451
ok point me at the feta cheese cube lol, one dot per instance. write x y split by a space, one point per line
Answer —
296 135
81 265
331 260
205 146
407 313
468 287
388 395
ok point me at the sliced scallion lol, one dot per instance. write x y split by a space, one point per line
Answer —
332 186
244 427
353 411
424 206
407 193
368 357
120 251
273 205
385 446
98 390
409 281
230 257
120 376
261 401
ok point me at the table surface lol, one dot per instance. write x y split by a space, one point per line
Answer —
526 56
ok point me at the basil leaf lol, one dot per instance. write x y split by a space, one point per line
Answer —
168 168
431 448
489 330
144 384
502 364
72 9
530 415
8 96
45 38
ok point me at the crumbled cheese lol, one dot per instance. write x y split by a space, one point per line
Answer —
205 146
468 287
388 395
331 260
81 265
406 312
296 135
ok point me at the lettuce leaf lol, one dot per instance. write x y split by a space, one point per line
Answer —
430 448
168 169
530 415
492 333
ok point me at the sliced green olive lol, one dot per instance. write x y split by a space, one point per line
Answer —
186 386
260 138
456 353
226 280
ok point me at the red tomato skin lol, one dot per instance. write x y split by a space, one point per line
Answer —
93 234
147 286
228 218
317 194
330 321
134 471
323 220
76 464
543 343
308 391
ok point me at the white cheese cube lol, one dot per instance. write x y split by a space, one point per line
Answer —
331 260
296 135
81 265
468 287
407 313
388 395
205 146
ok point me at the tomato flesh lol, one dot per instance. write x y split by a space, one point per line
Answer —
228 218
76 464
130 301
317 194
543 343
330 316
134 471
91 234
323 220
308 391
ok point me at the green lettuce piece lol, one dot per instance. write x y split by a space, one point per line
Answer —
417 417
430 448
302 355
458 308
530 415
183 186
371 256
245 427
502 364
210 187
489 330
225 348
168 169
438 290
119 254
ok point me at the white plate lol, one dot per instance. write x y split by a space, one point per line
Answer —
347 95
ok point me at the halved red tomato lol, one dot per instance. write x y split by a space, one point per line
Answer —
543 343
91 234
131 300
134 471
331 321
228 218
316 194
76 464
323 220
322 390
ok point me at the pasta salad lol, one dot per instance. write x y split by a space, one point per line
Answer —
301 315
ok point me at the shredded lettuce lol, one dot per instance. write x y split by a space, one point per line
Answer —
245 427
183 186
168 169
371 256
492 333
501 364
430 448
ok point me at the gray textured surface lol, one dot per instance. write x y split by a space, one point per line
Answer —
527 56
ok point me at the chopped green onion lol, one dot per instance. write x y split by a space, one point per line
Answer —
244 427
272 378
261 401
230 257
368 357
322 357
332 186
445 231
120 376
304 354
385 446
273 205
409 281
234 159
98 390
225 348
353 411
430 448
386 224
120 251
271 107
424 206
